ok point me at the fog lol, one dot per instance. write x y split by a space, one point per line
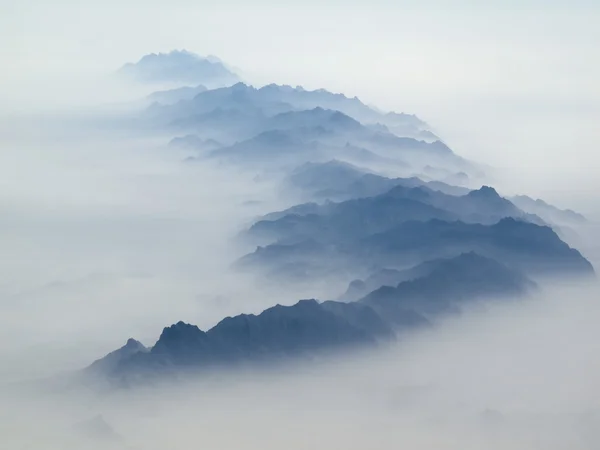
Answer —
492 79
93 219
504 376
106 234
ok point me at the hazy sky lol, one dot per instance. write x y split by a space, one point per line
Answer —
105 238
511 83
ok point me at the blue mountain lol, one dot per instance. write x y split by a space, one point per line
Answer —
548 212
359 218
172 96
536 250
450 284
310 327
337 134
273 149
273 99
179 67
338 180
352 219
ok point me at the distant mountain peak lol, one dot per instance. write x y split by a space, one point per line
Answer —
132 344
180 67
241 86
179 328
440 146
484 192
115 358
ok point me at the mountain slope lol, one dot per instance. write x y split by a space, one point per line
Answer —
449 284
310 327
172 96
535 250
273 99
550 213
359 218
531 248
337 180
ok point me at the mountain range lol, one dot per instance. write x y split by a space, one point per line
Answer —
310 327
359 218
271 100
310 252
278 126
338 180
298 134
386 211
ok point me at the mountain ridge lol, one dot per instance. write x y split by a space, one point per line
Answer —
308 326
179 67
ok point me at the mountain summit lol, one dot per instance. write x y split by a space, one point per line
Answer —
180 67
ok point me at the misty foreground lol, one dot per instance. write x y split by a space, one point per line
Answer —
498 378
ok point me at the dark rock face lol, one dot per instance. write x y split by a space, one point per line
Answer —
532 248
182 344
309 326
351 219
359 218
449 284
408 225
304 326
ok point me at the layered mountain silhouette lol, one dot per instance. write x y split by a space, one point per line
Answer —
550 213
402 227
531 248
180 67
274 148
447 284
310 326
338 180
172 96
342 128
362 217
382 209
536 250
273 99
336 133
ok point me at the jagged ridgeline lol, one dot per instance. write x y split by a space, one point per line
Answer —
388 209
180 67
281 127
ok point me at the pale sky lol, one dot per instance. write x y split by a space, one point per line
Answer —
506 82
